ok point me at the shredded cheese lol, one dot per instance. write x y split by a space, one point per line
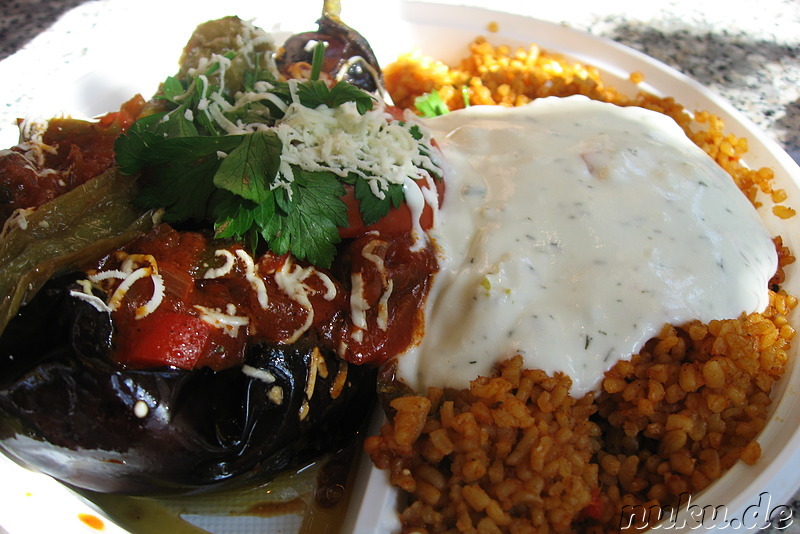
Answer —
259 374
383 307
290 279
19 219
116 298
368 253
130 272
158 296
252 276
223 269
358 306
94 300
228 322
342 141
275 395
340 381
313 366
32 132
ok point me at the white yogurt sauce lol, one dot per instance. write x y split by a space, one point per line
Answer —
571 232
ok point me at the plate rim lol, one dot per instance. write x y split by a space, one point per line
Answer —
731 116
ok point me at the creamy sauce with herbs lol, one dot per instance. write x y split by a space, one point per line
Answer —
572 231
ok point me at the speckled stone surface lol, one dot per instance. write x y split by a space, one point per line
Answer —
20 21
746 51
754 64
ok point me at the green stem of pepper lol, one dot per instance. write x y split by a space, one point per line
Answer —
316 60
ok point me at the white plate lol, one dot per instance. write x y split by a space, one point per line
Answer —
85 66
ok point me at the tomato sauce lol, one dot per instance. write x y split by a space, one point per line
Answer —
367 307
296 300
70 153
386 264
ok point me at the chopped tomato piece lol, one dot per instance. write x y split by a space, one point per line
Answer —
396 222
126 115
165 338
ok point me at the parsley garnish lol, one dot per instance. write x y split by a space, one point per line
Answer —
431 104
197 171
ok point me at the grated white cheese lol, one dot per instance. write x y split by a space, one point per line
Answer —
132 261
18 218
130 273
94 300
105 275
116 298
158 296
342 141
251 37
339 140
259 374
223 269
311 379
32 131
383 307
275 395
358 306
290 279
226 321
368 253
312 43
202 104
252 276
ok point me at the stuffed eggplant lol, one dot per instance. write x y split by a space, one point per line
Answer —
211 309
71 412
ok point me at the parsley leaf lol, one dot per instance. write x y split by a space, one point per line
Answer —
431 104
184 195
235 216
177 125
250 168
313 94
344 92
193 168
178 171
172 90
373 208
311 230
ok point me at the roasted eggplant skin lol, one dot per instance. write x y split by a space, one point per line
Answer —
348 55
68 411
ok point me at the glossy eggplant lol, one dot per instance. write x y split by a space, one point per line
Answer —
348 56
67 410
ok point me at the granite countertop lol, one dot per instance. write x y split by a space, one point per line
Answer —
747 52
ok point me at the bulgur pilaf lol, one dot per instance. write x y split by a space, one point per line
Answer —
515 452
